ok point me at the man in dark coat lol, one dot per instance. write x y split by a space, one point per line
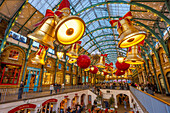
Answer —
20 90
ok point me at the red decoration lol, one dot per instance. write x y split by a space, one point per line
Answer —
105 73
122 66
119 72
83 61
94 71
49 13
24 106
128 15
48 101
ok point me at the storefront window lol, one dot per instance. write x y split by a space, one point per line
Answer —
74 79
164 57
47 78
68 68
49 63
59 77
59 66
13 55
67 79
10 74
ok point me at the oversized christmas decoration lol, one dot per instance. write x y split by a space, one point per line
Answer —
39 55
69 29
45 33
119 72
72 60
132 66
74 49
128 34
101 63
122 66
83 61
133 56
87 69
59 25
95 70
120 57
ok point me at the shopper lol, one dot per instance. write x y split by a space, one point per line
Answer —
62 86
20 90
51 88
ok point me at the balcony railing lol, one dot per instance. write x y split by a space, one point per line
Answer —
11 94
151 103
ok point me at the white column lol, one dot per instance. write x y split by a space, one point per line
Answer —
46 108
49 107
131 104
115 101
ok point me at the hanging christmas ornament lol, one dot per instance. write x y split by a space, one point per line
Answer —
74 49
59 25
45 32
122 66
94 71
128 34
72 60
133 56
39 55
119 72
101 63
83 61
69 29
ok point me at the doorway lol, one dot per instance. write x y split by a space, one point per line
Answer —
31 79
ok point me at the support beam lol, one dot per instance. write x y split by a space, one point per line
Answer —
129 3
11 23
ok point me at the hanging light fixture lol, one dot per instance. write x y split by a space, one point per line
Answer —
59 50
129 35
60 54
39 55
59 25
120 57
101 63
133 56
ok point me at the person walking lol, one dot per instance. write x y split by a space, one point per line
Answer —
51 88
62 86
125 104
20 90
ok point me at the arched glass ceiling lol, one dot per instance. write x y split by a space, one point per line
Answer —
96 14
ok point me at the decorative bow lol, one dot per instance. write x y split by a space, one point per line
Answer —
109 65
104 55
40 49
49 13
128 15
75 44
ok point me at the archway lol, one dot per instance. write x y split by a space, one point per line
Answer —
49 106
161 83
123 99
64 105
25 108
83 99
168 77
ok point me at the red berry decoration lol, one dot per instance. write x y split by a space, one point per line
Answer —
119 72
94 71
83 61
122 66
105 73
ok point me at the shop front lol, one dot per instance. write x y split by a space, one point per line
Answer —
11 66
49 72
32 77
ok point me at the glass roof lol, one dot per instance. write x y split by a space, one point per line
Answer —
99 36
97 31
